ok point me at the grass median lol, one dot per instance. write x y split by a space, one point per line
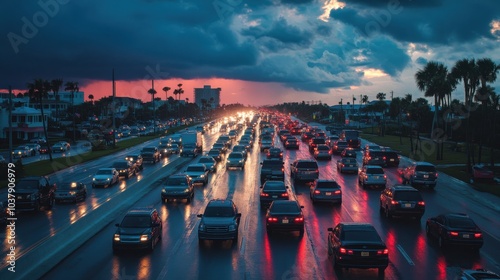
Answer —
427 153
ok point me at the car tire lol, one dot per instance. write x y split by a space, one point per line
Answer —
50 205
381 272
441 242
301 232
388 213
330 251
152 245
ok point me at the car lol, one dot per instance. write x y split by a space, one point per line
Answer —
291 143
420 173
314 142
21 151
141 228
151 154
209 162
304 170
331 140
219 221
266 142
198 173
105 177
136 159
189 149
215 154
271 191
65 144
454 229
177 187
306 136
285 215
173 148
348 152
482 172
235 160
44 148
246 142
392 158
338 146
478 274
325 190
402 200
164 151
322 151
32 193
70 191
125 168
58 148
242 149
357 245
272 169
274 153
221 147
374 157
346 164
372 175
35 148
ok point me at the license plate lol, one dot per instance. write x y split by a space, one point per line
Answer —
284 221
465 236
426 176
328 193
275 196
350 165
407 205
391 159
365 254
375 177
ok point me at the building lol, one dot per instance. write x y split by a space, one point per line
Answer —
209 95
26 122
65 96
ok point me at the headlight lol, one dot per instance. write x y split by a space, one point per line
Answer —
144 237
72 192
186 190
201 227
108 179
163 190
232 227
241 161
202 176
117 237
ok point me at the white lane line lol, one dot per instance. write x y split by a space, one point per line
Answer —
402 251
243 246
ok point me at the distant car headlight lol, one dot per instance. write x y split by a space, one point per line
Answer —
93 179
186 190
202 176
232 227
108 179
117 237
163 190
72 192
144 237
201 227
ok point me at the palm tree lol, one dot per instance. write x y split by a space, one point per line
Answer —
73 87
91 97
465 70
56 85
37 91
381 96
166 89
152 91
178 92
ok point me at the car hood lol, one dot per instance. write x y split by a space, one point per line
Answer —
217 220
195 174
175 189
102 177
132 231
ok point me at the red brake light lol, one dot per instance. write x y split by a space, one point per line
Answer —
264 194
284 194
317 192
299 219
394 202
421 203
384 158
385 176
383 252
338 192
453 233
478 235
436 174
343 251
271 219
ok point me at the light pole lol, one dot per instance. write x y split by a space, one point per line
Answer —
152 91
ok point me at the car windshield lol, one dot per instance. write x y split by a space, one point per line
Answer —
323 148
236 155
217 211
349 160
425 168
195 169
360 235
408 196
176 182
456 222
374 171
285 208
104 172
206 160
67 186
327 185
27 184
307 164
274 186
136 221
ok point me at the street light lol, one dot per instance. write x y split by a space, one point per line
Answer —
152 91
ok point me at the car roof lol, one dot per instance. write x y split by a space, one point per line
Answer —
457 215
284 202
423 163
107 169
178 175
141 211
403 187
357 226
220 203
373 166
305 160
196 165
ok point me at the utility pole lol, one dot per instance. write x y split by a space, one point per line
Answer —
113 108
10 124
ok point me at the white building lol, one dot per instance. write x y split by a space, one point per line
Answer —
26 123
210 95
65 96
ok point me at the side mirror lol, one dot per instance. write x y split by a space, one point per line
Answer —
238 215
117 225
302 207
287 187
199 215
261 187
330 229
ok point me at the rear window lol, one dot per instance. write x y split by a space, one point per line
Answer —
219 211
341 143
285 208
274 186
375 171
195 168
391 154
307 164
360 235
327 185
461 223
425 168
324 148
176 182
319 141
408 196
271 163
349 160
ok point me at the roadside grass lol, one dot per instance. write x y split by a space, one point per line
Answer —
46 167
428 153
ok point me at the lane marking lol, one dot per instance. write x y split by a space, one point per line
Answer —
407 257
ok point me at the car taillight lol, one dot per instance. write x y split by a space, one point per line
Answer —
317 171
453 233
421 203
394 202
299 219
338 192
383 252
264 194
478 235
385 176
283 169
384 158
369 158
272 219
436 174
284 194
345 251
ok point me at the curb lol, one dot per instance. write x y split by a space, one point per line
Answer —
43 258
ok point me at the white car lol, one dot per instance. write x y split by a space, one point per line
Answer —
372 175
198 173
21 151
105 177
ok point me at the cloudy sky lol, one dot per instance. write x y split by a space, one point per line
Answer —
259 52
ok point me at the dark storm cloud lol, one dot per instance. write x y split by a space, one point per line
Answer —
282 32
438 22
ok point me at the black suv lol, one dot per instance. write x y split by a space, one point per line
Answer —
420 173
402 200
150 154
272 169
304 169
125 168
34 192
141 228
220 221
